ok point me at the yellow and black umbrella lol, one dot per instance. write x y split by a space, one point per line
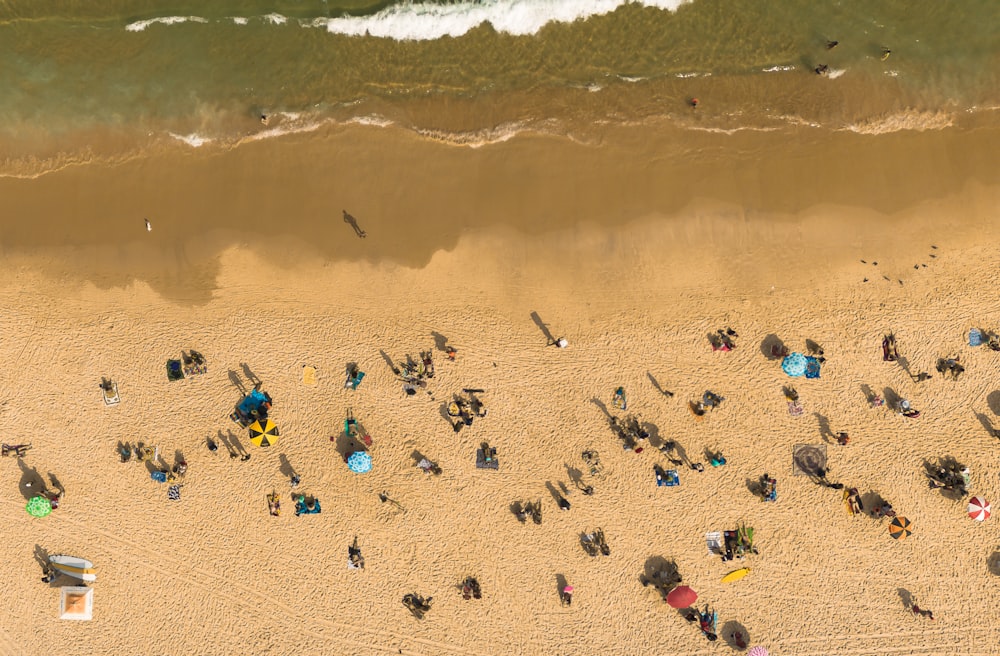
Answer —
900 527
266 435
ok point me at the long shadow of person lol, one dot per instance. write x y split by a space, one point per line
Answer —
237 382
32 484
550 339
351 221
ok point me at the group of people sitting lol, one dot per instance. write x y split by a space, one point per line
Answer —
630 431
415 371
418 605
722 339
527 509
950 367
466 407
767 488
471 589
594 543
950 475
306 505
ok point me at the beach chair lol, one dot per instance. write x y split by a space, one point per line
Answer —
486 457
354 380
713 541
274 504
593 460
16 450
109 392
618 400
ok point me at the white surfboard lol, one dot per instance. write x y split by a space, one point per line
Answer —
76 567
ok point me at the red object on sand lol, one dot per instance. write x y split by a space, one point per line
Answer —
681 597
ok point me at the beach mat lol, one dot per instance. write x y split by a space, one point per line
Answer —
309 376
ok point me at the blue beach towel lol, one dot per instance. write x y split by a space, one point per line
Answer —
975 337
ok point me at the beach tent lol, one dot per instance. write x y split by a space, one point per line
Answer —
263 434
38 506
794 365
76 603
359 462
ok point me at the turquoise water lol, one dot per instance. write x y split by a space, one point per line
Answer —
83 75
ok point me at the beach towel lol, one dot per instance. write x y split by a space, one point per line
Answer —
174 371
668 479
174 493
975 337
482 463
795 408
309 376
158 476
714 542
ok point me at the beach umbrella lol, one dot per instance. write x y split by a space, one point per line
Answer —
979 509
794 365
38 507
900 527
359 462
681 597
735 575
265 434
757 651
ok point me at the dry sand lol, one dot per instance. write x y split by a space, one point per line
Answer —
215 574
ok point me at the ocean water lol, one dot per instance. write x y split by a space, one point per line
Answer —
86 79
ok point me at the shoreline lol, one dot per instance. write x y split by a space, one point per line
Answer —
285 197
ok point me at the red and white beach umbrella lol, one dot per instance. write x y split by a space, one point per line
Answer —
979 508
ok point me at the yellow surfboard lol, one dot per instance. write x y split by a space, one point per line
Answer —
735 575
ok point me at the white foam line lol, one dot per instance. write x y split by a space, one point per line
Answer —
139 26
423 21
193 140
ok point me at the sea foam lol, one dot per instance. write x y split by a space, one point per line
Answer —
139 26
424 21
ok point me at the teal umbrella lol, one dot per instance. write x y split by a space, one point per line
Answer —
794 365
38 507
359 462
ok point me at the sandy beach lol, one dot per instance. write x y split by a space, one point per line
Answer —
635 292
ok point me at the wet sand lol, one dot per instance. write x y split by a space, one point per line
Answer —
285 197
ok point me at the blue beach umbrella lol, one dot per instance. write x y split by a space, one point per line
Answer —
359 462
812 367
794 365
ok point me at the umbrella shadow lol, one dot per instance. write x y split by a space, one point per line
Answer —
346 445
871 500
542 326
32 484
771 345
993 563
993 401
728 633
237 382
